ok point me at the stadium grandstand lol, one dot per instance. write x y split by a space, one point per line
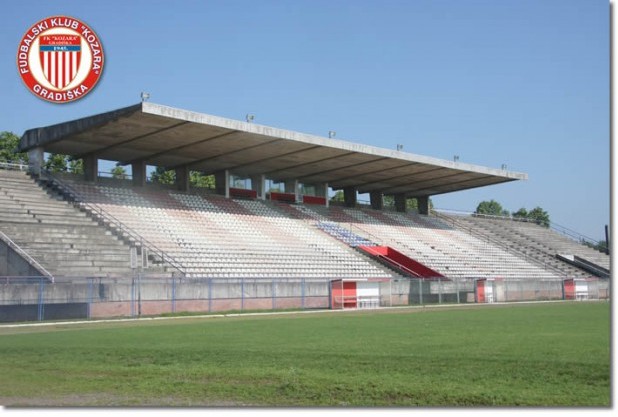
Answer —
94 246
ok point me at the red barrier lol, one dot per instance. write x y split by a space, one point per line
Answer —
310 199
284 197
243 193
401 261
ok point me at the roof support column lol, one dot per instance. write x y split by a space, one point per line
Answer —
326 193
377 202
258 184
349 196
91 167
222 183
423 205
321 190
182 178
400 202
138 173
291 186
36 160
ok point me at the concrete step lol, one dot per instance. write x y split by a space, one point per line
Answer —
23 181
18 186
11 175
27 191
77 250
14 213
74 263
64 220
101 248
23 223
10 209
42 234
76 253
65 210
42 203
91 272
80 242
34 208
17 217
64 260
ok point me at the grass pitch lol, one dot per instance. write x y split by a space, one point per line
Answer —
555 354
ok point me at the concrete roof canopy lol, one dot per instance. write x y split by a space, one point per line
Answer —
173 138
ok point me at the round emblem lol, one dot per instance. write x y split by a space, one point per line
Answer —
60 59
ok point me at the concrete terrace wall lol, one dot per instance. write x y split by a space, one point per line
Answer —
12 264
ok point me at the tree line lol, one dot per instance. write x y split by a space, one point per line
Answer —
493 208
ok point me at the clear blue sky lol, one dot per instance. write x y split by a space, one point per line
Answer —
519 82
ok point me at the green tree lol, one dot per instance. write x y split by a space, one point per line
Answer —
539 216
411 203
8 149
338 197
196 178
76 166
56 163
491 208
162 176
119 173
522 213
199 180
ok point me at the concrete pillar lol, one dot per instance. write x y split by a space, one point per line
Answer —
222 183
326 193
138 173
91 167
423 205
319 190
349 196
291 186
182 178
258 184
376 200
400 203
36 160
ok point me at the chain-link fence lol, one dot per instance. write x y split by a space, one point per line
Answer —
36 298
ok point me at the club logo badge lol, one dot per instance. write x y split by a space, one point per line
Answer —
60 59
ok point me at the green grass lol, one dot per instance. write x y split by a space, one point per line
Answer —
554 354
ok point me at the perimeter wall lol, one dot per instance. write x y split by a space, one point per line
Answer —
30 299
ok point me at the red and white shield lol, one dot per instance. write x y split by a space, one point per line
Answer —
60 56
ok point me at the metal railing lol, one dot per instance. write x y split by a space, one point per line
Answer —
12 166
396 243
26 256
102 215
563 230
496 242
572 234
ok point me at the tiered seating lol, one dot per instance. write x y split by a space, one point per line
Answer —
344 235
484 256
451 252
215 237
539 242
58 236
212 236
